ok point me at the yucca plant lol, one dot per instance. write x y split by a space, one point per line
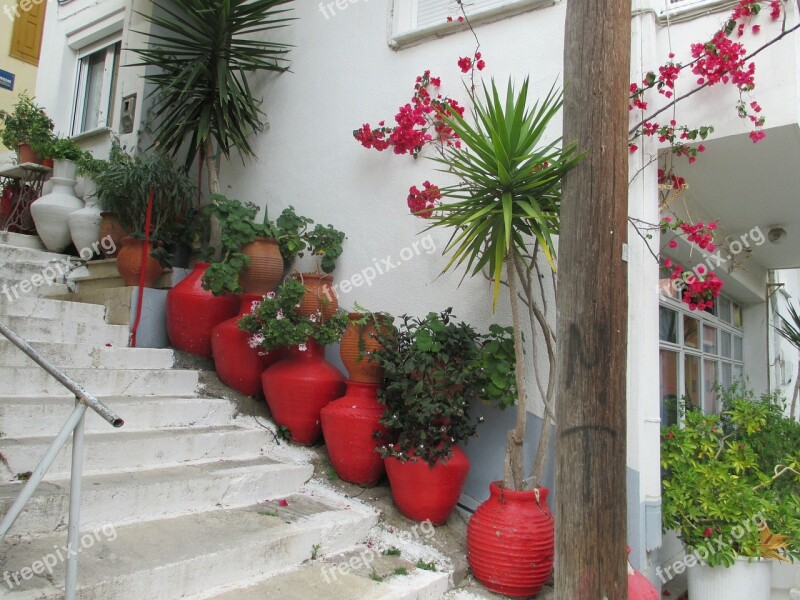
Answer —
504 210
790 331
200 54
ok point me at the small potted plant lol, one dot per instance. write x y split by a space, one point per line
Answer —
434 367
64 152
325 243
730 490
25 127
298 387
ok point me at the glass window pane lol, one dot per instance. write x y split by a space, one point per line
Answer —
669 388
724 308
738 351
690 332
737 315
738 373
668 328
691 381
94 90
726 377
725 344
709 379
709 339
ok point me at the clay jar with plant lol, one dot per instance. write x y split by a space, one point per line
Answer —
24 128
323 242
434 368
298 387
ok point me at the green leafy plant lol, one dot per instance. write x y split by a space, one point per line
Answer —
27 123
433 368
59 148
790 330
275 321
426 566
326 243
392 551
724 477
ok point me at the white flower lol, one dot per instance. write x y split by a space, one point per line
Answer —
256 340
302 347
313 318
297 305
270 295
254 307
279 316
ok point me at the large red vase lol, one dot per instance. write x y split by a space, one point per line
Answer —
511 541
639 587
349 425
238 365
298 387
193 312
422 492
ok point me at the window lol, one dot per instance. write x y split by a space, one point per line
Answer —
95 88
698 350
417 19
26 37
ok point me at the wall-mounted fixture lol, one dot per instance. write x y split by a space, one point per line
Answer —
127 114
776 235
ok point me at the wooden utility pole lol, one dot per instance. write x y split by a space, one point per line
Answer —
593 307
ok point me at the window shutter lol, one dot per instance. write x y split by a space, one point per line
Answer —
26 39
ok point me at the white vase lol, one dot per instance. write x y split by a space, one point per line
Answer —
65 169
84 224
743 581
51 211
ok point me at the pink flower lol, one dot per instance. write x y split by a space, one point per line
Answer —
757 136
673 244
279 315
270 295
312 318
283 502
302 347
256 340
465 64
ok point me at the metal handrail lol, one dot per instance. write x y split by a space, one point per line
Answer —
74 426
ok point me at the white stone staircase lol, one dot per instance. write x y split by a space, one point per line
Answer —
190 499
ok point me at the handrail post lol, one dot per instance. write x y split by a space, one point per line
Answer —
74 525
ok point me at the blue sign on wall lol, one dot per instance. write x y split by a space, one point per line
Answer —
6 80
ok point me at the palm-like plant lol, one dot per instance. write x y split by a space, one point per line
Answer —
790 331
201 52
506 209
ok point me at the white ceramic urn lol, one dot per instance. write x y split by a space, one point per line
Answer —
51 211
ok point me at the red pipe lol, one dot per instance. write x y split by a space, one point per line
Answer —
145 247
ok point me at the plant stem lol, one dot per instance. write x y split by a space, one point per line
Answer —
793 412
516 437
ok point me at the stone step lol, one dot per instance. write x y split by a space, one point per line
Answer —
34 329
44 416
35 381
187 555
118 450
19 240
46 308
13 253
86 356
120 498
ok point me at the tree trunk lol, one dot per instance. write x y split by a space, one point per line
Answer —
796 393
215 235
592 307
514 467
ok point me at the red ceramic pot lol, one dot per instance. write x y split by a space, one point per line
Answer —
639 587
193 312
349 425
422 492
298 387
511 541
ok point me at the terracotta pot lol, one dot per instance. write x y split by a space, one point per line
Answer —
349 425
422 492
193 312
48 162
356 348
129 263
111 230
320 295
238 365
266 266
511 541
27 155
639 587
298 387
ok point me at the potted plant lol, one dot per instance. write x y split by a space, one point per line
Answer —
25 127
124 186
434 367
352 424
298 387
730 490
325 243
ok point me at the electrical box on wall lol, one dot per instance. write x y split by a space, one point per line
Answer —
127 114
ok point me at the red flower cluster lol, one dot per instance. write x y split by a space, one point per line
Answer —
466 64
415 121
722 59
700 234
423 202
678 183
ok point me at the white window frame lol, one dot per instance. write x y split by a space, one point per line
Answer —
705 320
404 30
81 79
